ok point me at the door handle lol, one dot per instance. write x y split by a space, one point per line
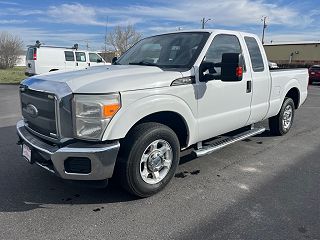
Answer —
77 64
249 86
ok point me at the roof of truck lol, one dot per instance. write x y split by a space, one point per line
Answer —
209 30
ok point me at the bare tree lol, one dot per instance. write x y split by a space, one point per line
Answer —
123 37
10 49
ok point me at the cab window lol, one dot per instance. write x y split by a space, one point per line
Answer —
221 44
255 54
69 56
80 56
93 57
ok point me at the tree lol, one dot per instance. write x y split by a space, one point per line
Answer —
11 47
123 37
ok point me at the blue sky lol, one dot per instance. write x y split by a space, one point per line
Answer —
66 22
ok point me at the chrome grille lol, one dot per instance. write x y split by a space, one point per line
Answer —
39 111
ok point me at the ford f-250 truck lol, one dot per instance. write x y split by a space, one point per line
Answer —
165 94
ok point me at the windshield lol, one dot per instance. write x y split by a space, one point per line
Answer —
175 50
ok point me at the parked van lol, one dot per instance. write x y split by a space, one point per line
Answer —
42 59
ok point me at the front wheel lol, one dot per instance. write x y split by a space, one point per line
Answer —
281 123
148 159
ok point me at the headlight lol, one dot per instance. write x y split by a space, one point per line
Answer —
92 113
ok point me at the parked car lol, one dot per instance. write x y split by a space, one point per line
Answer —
273 65
167 93
314 74
42 59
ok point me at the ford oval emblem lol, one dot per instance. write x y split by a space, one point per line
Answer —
32 110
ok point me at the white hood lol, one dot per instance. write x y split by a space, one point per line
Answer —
114 78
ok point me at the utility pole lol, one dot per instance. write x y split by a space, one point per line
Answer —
204 21
263 19
106 36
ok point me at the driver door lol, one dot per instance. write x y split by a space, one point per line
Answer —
223 106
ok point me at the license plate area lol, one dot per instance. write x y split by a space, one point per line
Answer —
26 152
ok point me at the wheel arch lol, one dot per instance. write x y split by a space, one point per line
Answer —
171 119
294 94
168 110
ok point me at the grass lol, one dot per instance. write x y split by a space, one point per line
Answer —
12 75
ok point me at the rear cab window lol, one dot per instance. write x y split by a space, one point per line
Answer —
69 56
80 56
255 54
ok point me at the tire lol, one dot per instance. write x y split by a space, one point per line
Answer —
281 124
140 159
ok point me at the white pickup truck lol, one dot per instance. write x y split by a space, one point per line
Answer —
167 93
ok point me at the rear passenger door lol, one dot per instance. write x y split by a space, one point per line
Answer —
261 81
81 60
70 63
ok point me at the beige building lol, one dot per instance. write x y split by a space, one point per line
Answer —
304 53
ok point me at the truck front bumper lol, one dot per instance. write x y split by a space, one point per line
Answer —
75 161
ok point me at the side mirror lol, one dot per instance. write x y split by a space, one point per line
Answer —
114 60
232 67
99 60
205 70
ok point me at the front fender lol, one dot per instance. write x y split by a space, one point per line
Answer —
134 110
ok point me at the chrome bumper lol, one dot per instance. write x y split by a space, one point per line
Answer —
102 156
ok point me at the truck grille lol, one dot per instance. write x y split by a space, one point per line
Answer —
38 110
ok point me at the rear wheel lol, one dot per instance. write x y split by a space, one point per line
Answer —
148 159
281 123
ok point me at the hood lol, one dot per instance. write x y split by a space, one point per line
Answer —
113 78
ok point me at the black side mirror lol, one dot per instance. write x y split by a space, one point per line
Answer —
99 60
114 60
232 67
205 70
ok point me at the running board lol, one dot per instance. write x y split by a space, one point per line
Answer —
218 144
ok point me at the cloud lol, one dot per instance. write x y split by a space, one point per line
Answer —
13 21
59 38
16 11
8 3
79 14
231 12
73 13
285 36
285 22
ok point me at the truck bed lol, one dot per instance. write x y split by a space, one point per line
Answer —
282 80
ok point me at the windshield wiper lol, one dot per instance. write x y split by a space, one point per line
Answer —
143 63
